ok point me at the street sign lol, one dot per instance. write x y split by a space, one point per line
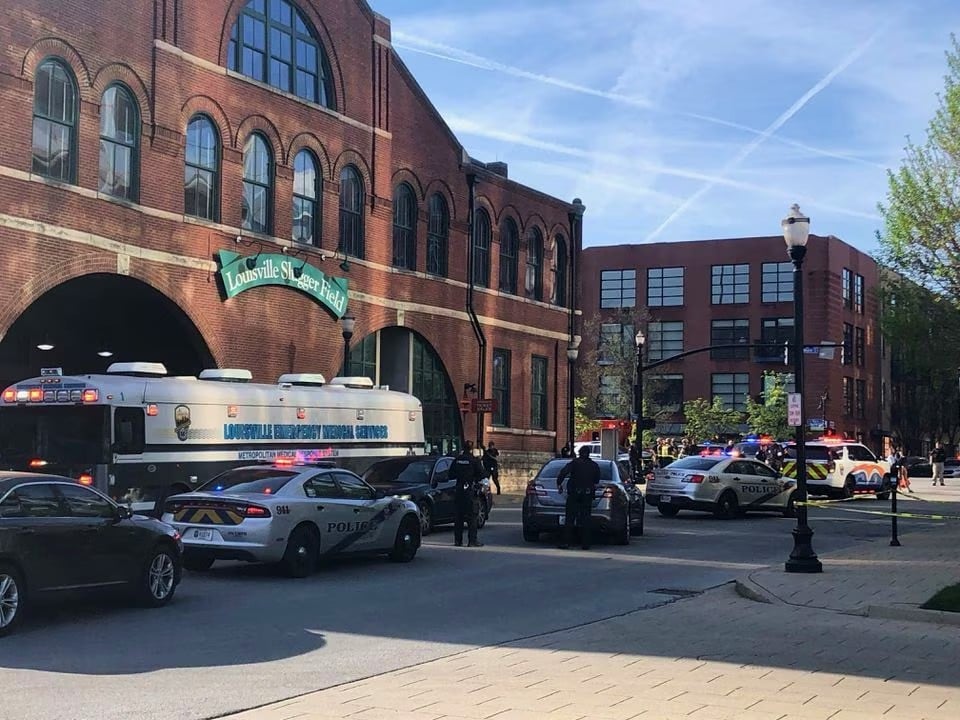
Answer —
811 350
483 405
827 350
817 424
793 409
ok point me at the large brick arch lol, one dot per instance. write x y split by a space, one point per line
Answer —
55 47
127 76
157 278
204 105
262 125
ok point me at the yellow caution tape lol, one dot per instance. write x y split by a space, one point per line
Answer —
916 516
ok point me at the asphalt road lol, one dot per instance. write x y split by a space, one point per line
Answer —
242 636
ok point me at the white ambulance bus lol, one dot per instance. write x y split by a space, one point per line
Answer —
139 435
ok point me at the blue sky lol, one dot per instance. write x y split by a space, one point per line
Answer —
686 119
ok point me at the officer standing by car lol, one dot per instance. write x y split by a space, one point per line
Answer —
468 473
584 476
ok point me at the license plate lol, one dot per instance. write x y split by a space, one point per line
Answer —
204 535
561 519
666 499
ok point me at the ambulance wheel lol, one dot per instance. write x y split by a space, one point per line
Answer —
197 562
407 542
668 510
300 557
726 508
849 486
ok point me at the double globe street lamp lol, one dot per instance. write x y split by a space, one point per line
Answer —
796 232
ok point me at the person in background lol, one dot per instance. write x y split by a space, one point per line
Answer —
467 472
491 463
903 475
938 456
565 451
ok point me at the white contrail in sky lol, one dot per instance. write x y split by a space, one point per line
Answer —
767 133
440 51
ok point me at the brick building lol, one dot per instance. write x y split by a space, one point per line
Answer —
719 292
206 183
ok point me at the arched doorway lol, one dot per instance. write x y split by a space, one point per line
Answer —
405 361
86 323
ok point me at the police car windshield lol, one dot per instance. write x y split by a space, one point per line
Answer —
249 481
552 469
400 471
696 463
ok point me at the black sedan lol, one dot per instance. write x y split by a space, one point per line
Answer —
426 481
56 535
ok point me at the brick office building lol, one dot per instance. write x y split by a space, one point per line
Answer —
718 292
171 170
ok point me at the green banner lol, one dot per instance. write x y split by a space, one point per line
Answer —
240 273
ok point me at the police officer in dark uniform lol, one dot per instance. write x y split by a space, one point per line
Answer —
584 476
468 473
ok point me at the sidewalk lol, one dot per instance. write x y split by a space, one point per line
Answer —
717 656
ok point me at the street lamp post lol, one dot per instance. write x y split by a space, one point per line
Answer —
640 340
796 231
573 352
348 322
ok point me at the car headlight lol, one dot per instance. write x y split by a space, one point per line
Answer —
404 497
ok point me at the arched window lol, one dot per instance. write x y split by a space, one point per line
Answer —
306 198
404 227
119 140
273 42
438 230
201 180
481 248
560 263
534 279
257 181
509 247
55 122
351 212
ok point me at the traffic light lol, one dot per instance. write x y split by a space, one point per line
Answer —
646 423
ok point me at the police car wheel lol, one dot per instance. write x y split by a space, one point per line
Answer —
426 517
11 598
407 542
300 557
790 510
668 510
622 536
726 508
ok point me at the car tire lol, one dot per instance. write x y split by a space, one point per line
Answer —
790 510
300 556
426 517
407 542
727 507
158 579
668 510
849 485
11 598
622 536
885 486
530 535
197 562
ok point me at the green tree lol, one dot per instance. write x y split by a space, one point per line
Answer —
707 420
770 416
920 239
582 422
608 361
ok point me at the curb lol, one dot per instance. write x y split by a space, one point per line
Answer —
935 617
751 591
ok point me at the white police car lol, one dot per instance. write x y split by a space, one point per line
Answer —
724 485
291 514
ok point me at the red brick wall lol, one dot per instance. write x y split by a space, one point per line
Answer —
157 50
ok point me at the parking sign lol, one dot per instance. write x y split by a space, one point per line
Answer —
793 409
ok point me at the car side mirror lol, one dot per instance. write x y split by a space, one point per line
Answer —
379 494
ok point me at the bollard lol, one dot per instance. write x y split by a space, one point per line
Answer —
894 540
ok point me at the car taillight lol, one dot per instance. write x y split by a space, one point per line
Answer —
536 489
255 511
85 479
696 479
172 507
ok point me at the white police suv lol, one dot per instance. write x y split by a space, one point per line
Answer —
726 486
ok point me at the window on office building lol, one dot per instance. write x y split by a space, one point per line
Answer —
665 340
861 399
665 392
788 384
665 287
777 282
730 284
618 288
848 396
730 332
860 347
538 393
615 341
858 304
731 388
846 287
775 333
501 387
846 350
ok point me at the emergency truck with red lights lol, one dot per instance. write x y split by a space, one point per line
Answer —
139 435
838 467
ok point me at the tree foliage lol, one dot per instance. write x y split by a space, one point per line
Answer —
921 235
709 420
582 422
608 361
770 416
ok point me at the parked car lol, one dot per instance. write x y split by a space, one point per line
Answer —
726 486
426 481
951 469
617 508
292 514
57 535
